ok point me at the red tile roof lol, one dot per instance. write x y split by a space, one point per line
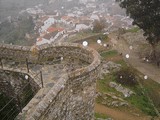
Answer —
53 29
39 39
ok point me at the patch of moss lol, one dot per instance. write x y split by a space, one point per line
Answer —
110 53
100 115
133 30
122 63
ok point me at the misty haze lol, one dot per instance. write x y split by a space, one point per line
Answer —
79 60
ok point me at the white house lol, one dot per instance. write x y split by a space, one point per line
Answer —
41 41
49 21
80 27
47 24
71 15
94 17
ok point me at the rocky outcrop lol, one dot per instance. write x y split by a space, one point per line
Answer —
110 66
125 91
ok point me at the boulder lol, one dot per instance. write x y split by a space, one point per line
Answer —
107 67
111 66
125 91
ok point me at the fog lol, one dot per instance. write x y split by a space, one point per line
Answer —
13 7
25 22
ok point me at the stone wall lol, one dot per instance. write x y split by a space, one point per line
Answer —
14 52
5 84
72 97
13 84
40 53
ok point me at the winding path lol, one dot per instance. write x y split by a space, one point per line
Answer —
148 69
117 114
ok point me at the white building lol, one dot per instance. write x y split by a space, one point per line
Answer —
94 17
80 27
41 41
47 24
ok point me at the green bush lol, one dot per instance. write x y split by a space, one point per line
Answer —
111 53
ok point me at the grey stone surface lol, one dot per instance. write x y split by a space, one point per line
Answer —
125 91
110 66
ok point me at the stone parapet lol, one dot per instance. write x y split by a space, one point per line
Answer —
72 96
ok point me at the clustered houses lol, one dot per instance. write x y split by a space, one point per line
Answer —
58 25
49 32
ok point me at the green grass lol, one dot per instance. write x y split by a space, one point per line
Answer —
100 115
103 87
93 39
103 84
81 35
111 53
122 63
90 38
133 30
152 88
141 101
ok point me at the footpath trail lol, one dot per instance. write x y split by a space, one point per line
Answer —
147 69
117 114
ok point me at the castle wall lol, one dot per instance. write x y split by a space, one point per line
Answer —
72 97
14 84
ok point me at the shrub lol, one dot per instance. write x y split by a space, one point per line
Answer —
126 76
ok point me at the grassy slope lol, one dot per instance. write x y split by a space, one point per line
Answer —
139 100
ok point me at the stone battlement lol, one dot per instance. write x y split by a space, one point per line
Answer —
72 96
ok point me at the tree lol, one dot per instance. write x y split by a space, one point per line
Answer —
15 32
98 25
146 15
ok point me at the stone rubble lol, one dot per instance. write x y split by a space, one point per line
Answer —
111 66
112 100
125 91
108 67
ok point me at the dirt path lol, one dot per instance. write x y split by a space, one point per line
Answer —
146 68
116 114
